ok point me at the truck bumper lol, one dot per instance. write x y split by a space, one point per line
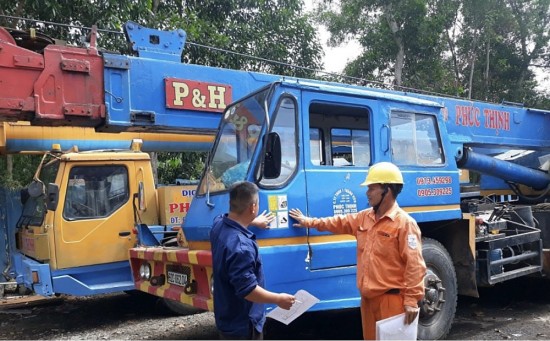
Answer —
33 275
81 281
167 269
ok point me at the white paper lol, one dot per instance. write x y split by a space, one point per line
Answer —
304 301
394 328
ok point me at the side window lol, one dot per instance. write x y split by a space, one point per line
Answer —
95 192
350 147
360 147
315 146
415 140
341 147
347 132
285 126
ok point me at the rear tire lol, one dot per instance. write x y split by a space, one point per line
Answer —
438 307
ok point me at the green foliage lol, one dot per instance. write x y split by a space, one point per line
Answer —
502 39
172 166
442 42
270 29
24 167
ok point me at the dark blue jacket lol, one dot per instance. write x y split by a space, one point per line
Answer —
237 271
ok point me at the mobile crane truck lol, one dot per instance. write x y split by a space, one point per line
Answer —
309 145
80 212
90 153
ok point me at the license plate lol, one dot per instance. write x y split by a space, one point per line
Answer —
177 278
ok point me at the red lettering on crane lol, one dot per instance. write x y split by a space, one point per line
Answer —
498 120
467 116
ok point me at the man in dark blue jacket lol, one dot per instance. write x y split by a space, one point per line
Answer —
239 294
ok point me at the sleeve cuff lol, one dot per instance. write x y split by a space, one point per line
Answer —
245 290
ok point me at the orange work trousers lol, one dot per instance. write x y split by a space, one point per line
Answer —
379 308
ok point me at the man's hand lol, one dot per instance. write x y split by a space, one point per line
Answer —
285 301
263 220
261 295
410 314
297 215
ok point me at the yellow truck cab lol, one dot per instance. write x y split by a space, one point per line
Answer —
79 215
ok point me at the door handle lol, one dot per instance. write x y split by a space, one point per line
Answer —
124 233
384 138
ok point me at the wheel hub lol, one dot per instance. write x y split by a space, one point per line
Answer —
434 296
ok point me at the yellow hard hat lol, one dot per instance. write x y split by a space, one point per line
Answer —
383 173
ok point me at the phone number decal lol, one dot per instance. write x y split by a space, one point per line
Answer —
434 180
432 192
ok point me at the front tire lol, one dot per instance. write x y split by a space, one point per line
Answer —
438 307
178 308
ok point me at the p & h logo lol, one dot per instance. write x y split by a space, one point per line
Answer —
193 95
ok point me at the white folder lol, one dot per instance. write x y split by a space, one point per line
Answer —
394 328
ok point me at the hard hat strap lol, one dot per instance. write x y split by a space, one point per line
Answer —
375 207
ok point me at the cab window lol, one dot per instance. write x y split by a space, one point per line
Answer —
94 192
339 136
285 126
415 140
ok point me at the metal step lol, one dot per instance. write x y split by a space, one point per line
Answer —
504 276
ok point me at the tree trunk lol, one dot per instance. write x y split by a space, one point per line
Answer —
452 48
154 166
526 57
472 66
155 6
400 57
487 61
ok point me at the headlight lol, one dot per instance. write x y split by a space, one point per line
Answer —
145 271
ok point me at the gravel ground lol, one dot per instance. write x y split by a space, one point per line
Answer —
517 310
116 316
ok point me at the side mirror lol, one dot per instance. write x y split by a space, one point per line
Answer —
36 188
272 157
52 197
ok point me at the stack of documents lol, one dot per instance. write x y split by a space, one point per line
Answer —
394 328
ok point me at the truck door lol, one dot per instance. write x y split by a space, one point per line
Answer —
95 218
337 153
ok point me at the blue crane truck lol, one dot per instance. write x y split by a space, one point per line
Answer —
476 181
476 175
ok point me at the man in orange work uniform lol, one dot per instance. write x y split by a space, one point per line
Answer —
390 266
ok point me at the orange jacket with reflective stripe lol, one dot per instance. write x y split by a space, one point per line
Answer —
389 251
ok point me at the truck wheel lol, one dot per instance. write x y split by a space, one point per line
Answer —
438 307
23 290
179 308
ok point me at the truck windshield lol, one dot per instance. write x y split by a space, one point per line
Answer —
237 140
34 208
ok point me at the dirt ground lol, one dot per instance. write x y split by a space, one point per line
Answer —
517 310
